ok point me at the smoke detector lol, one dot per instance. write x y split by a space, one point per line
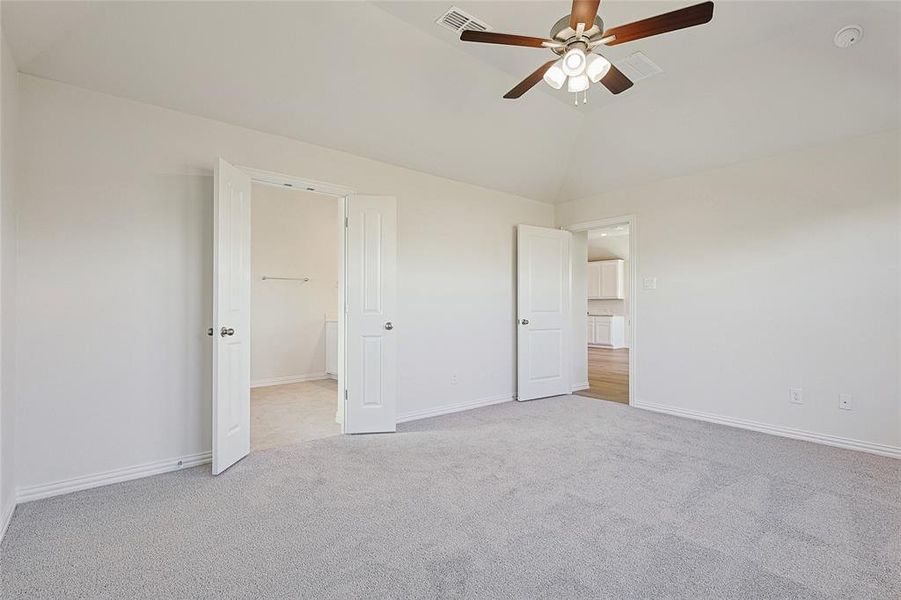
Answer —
848 36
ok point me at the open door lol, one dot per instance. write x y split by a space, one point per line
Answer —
370 404
544 287
231 316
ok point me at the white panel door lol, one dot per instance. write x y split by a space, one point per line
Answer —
371 347
544 289
231 316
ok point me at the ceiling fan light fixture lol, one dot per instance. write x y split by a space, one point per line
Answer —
596 67
579 83
573 38
574 62
555 77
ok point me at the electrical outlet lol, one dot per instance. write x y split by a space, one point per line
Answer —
844 401
453 379
796 395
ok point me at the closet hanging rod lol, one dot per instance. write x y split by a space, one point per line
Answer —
303 279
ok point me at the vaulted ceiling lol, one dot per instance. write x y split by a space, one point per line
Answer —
382 80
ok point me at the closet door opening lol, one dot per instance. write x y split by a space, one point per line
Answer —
304 312
295 275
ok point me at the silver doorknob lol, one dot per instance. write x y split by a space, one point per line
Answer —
209 332
226 331
525 321
389 325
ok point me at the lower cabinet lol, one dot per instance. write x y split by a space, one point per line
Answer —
607 331
331 348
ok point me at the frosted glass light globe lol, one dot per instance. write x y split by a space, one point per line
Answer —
574 62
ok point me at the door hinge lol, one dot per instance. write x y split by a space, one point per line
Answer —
345 221
345 394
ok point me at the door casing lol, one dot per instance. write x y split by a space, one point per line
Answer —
340 193
632 221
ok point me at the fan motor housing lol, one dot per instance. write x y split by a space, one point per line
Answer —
562 32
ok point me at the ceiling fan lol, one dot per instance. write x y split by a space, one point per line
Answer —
576 38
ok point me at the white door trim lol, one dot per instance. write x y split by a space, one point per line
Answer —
300 183
282 180
632 220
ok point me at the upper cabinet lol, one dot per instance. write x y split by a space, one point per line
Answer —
605 280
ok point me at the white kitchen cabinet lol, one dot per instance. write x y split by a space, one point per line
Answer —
331 349
594 280
608 331
606 280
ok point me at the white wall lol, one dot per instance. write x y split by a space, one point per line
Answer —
606 248
775 273
115 277
294 234
8 139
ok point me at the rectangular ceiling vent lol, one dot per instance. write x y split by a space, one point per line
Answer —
638 67
457 20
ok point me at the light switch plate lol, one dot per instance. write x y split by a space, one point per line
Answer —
650 283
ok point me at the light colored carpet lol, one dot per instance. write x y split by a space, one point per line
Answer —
292 413
560 498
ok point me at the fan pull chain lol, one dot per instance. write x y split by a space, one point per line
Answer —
585 98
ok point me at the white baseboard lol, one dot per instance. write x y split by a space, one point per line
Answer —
578 387
289 379
414 415
789 432
65 486
5 519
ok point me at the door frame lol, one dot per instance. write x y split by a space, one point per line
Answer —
632 221
341 194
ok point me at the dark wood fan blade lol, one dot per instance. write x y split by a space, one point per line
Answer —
616 81
671 21
529 82
487 37
584 11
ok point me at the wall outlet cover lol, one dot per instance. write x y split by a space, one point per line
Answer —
650 283
796 395
844 401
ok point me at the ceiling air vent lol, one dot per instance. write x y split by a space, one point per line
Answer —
638 67
456 20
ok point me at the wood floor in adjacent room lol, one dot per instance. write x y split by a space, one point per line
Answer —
608 374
